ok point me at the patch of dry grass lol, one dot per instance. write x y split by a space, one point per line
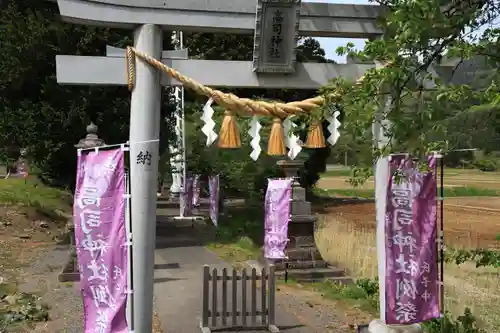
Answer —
156 324
354 249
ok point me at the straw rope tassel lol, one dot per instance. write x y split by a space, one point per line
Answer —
229 135
276 144
315 137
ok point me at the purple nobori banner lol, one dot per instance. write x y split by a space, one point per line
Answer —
213 188
277 216
100 234
196 191
187 197
411 269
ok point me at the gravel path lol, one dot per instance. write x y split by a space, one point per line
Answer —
64 300
320 314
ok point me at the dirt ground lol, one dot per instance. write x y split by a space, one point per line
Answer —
468 221
478 203
464 226
31 262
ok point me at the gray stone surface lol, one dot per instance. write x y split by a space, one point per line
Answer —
300 207
112 51
299 193
179 259
236 16
276 36
80 70
378 326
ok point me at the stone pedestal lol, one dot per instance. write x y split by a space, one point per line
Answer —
377 326
304 263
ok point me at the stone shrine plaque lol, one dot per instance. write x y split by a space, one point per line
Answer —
276 34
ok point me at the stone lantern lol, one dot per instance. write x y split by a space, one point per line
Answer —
21 165
70 271
301 225
91 140
304 262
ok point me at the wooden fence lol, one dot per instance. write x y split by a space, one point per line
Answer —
234 305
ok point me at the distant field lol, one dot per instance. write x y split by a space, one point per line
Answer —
472 204
337 179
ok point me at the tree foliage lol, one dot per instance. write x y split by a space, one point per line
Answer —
37 112
427 110
48 119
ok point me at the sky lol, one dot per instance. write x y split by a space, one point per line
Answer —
331 44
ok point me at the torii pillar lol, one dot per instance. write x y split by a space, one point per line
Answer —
144 136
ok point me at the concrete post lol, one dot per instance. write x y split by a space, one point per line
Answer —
144 130
382 172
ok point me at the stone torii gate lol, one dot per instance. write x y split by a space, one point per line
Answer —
274 66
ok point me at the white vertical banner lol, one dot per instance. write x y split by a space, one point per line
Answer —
381 185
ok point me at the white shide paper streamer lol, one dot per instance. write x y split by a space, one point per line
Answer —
208 128
254 130
334 128
291 140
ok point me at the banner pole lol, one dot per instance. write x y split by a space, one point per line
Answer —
441 236
128 225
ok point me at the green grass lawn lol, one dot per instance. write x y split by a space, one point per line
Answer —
32 193
450 172
449 192
344 172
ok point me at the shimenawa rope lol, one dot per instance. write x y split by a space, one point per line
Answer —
234 104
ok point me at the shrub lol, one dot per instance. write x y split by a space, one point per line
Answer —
465 323
240 175
486 165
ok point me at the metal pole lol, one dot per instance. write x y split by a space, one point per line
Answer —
144 120
183 125
130 278
441 234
